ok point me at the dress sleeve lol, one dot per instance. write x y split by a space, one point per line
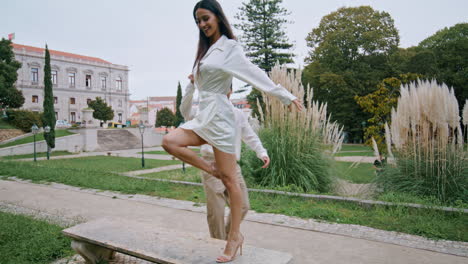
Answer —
186 104
237 64
251 138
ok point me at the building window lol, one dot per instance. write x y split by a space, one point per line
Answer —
118 84
120 117
88 101
72 100
73 117
34 75
103 82
120 102
54 77
35 99
55 100
71 79
88 81
56 115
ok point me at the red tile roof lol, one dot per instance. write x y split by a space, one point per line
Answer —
58 53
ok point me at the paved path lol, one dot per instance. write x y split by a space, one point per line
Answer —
308 247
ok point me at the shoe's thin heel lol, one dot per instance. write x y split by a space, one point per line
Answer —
241 249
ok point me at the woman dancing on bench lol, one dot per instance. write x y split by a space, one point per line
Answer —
219 58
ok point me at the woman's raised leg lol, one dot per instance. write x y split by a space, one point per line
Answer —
226 171
176 143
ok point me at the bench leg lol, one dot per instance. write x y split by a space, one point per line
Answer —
92 253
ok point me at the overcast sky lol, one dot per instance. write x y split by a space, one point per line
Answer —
157 39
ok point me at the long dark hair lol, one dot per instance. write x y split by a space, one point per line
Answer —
224 27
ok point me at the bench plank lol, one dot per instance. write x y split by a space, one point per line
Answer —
146 241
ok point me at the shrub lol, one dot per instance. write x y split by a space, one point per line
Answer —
24 119
299 144
428 144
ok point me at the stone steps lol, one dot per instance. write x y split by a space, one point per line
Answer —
117 139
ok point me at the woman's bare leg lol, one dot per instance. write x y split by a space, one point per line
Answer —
226 171
176 143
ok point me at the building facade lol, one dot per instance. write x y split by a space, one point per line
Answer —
146 110
76 80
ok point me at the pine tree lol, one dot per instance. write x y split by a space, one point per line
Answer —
10 97
264 38
48 118
178 116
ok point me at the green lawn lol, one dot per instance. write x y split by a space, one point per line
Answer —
39 154
27 240
352 172
429 223
97 164
39 137
4 124
355 172
355 147
352 153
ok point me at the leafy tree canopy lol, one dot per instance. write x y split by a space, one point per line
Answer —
165 117
101 110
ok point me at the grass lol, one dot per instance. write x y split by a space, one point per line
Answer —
355 172
429 223
349 153
39 154
27 240
5 125
97 164
356 147
352 172
39 137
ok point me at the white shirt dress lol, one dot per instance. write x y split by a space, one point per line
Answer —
215 120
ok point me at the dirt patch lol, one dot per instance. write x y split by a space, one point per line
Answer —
6 134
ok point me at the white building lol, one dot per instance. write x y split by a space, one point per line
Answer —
76 80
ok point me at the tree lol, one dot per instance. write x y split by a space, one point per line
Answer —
351 33
10 97
165 117
264 37
379 104
178 116
449 48
49 113
101 110
350 54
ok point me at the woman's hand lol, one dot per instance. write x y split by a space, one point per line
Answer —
298 105
191 78
266 161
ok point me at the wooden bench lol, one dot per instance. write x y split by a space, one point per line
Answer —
98 240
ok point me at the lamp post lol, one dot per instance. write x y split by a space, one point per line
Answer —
34 130
47 131
141 127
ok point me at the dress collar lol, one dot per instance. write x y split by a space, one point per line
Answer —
219 44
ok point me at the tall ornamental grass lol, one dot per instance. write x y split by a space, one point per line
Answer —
299 144
427 138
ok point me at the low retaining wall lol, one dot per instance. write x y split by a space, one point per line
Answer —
72 143
84 140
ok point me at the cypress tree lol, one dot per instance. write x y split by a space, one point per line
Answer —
178 116
49 113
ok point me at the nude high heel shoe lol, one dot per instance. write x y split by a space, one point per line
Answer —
225 258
